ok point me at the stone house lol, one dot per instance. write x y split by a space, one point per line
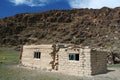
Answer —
67 59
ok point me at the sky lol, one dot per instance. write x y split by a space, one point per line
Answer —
12 7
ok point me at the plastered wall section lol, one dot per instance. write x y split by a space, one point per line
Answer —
42 63
81 67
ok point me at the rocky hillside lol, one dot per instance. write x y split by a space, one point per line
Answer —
91 27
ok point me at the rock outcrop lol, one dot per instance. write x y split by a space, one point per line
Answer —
89 27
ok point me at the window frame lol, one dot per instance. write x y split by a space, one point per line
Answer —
73 56
37 55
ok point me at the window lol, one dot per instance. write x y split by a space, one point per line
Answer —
73 56
37 55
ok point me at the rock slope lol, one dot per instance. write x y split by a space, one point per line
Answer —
88 27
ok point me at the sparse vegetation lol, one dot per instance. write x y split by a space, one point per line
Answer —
114 66
12 72
8 55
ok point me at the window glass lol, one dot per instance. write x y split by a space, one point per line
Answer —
73 56
37 55
77 57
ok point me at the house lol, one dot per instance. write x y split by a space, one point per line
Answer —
67 59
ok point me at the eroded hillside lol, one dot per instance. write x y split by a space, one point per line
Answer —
90 27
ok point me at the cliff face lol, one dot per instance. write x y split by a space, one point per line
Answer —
92 27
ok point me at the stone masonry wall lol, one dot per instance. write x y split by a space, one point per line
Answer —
90 61
81 67
42 63
99 62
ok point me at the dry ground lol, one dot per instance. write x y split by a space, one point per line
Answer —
112 74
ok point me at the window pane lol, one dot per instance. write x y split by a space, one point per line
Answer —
37 54
71 57
77 57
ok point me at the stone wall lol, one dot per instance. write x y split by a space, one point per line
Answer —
81 67
90 62
29 60
98 62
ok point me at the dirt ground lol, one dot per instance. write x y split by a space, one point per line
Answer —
112 74
15 72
